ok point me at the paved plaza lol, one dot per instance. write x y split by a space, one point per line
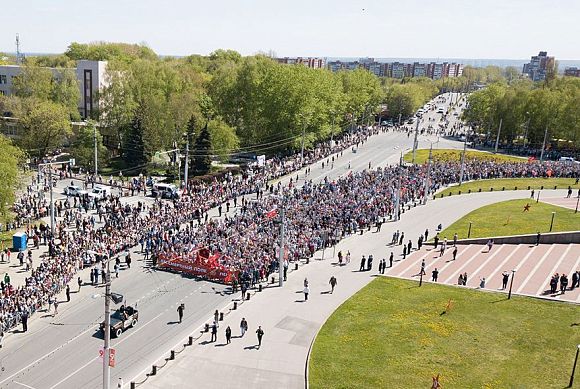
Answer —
534 267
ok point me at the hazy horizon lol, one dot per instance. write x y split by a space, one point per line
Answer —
338 28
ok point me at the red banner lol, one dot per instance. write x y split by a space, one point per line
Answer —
205 267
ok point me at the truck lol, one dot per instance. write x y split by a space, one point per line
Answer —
122 319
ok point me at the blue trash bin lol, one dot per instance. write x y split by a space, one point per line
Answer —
19 241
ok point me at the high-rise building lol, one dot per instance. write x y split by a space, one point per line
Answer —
572 72
539 66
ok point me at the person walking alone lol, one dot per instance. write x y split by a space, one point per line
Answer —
180 310
243 326
332 283
260 334
228 335
306 292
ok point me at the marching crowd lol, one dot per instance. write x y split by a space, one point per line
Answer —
316 215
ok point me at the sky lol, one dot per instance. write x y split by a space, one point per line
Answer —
498 29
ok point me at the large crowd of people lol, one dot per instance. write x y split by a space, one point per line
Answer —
246 238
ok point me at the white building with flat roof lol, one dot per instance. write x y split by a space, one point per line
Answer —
90 75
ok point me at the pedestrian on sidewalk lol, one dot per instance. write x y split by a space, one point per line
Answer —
454 239
482 283
563 283
332 283
260 334
228 335
362 263
243 326
55 307
422 271
505 278
116 267
214 332
489 245
538 236
67 291
391 259
306 292
180 310
455 253
434 275
370 263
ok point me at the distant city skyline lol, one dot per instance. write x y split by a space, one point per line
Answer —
444 29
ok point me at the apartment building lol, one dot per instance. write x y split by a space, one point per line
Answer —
539 66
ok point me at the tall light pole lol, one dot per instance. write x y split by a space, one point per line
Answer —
498 133
574 367
463 160
107 328
96 151
552 222
415 140
428 176
186 161
527 128
511 284
544 144
281 254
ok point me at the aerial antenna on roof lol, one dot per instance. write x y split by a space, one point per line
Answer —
18 55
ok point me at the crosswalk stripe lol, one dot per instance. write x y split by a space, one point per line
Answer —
543 285
538 264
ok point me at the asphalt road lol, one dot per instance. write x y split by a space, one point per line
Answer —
62 351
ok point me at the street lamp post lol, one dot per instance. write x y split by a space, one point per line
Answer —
281 254
511 284
527 128
552 222
574 367
469 230
107 328
577 201
544 144
186 161
498 134
538 198
463 161
415 140
428 176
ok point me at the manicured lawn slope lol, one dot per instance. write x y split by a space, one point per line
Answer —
422 155
393 334
511 184
508 218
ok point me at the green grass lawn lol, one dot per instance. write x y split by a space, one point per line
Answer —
510 184
508 218
393 334
422 155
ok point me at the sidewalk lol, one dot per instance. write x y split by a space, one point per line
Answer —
289 323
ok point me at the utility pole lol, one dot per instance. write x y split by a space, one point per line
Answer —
415 140
544 144
107 329
527 128
426 189
498 133
398 197
463 161
186 161
281 253
51 202
96 151
302 148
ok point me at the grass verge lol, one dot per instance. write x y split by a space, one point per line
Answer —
393 334
499 184
508 218
445 155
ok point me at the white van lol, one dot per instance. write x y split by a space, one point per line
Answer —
165 191
100 192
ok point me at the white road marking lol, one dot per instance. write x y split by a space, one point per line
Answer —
538 264
543 286
117 343
26 386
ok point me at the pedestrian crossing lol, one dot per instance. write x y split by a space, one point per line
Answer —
533 265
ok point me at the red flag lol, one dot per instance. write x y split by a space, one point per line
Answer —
272 214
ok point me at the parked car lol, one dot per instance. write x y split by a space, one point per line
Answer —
121 319
74 190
